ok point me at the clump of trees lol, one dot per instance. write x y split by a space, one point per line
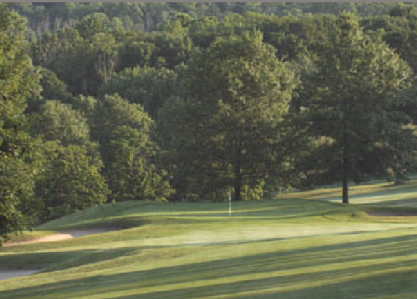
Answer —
126 102
235 94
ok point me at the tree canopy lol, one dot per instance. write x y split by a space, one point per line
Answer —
235 94
18 81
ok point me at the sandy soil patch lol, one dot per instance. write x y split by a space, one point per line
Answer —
9 273
6 274
64 236
392 214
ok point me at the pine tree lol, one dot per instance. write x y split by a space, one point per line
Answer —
356 74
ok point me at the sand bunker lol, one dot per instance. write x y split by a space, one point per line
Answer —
392 214
64 236
6 274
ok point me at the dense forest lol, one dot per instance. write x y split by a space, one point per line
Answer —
106 102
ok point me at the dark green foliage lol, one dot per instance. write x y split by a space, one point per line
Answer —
112 112
203 31
71 180
289 35
398 30
356 75
131 171
52 89
157 49
18 81
398 128
236 93
135 53
147 86
57 121
93 24
123 131
86 106
91 52
18 207
55 51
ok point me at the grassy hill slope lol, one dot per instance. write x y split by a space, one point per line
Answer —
287 247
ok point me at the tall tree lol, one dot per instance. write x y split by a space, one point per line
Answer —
355 77
236 93
132 172
18 81
400 143
123 131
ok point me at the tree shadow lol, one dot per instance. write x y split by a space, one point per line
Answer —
405 203
289 268
51 261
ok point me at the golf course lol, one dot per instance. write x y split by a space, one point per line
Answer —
294 245
208 150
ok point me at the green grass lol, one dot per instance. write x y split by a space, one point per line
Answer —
379 194
297 245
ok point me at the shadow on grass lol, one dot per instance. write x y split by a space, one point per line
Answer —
52 261
382 284
284 268
39 259
382 194
402 285
406 203
333 195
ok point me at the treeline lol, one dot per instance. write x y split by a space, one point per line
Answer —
141 16
200 108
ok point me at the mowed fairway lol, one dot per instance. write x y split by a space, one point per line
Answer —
293 246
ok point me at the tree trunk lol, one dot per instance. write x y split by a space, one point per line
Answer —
85 86
345 170
398 173
345 185
398 180
238 184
